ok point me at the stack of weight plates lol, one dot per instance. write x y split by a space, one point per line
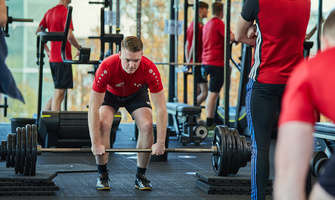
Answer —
229 185
19 185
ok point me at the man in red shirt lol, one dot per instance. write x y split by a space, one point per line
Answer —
281 27
213 38
122 80
54 20
202 87
309 89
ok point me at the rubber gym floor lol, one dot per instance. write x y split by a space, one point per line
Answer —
75 173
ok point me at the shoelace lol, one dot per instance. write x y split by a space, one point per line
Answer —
143 179
104 178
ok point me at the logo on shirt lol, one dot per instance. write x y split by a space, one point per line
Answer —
137 85
119 84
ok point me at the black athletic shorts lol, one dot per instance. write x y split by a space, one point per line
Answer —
62 75
132 102
202 74
216 75
327 179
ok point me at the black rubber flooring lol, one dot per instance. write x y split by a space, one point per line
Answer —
174 179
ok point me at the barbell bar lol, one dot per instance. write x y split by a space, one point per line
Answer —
229 151
85 150
167 63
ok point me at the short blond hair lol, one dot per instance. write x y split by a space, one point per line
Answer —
132 44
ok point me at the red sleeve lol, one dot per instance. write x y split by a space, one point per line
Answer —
154 79
43 23
101 78
297 104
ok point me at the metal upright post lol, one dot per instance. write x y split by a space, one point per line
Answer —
117 16
245 69
40 79
111 25
172 70
195 49
226 63
185 75
138 18
319 24
176 10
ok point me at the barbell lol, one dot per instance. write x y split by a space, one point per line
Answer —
229 151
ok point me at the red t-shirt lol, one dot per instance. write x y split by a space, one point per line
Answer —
213 42
112 77
310 88
190 40
281 28
54 20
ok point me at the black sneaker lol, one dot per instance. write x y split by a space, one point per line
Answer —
102 182
142 182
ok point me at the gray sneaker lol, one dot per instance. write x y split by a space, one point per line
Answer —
102 182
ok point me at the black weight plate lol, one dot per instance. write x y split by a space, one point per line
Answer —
224 150
249 151
23 150
3 150
233 153
18 150
244 152
9 150
13 149
316 156
216 158
228 152
33 150
237 151
238 148
28 151
221 143
320 166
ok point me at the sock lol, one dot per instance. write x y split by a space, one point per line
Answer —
102 168
140 170
209 121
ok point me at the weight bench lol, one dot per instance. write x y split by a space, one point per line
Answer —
69 129
324 134
185 122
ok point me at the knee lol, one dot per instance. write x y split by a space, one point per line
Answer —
204 93
59 95
105 126
145 128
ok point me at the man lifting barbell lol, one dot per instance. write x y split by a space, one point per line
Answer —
122 80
